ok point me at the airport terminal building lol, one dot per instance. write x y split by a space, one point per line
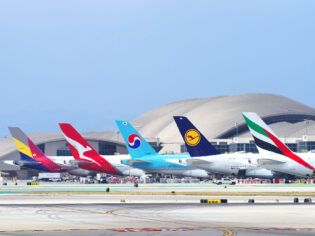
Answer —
218 118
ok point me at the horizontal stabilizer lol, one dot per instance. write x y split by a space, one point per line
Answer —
28 163
66 167
265 161
131 162
197 162
22 163
10 162
77 162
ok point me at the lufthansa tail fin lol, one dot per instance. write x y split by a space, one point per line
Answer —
29 152
137 146
267 141
197 145
83 151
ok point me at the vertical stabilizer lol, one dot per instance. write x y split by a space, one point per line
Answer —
197 145
137 146
29 152
267 141
83 151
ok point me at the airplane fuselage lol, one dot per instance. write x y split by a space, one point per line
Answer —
168 164
286 165
114 160
242 164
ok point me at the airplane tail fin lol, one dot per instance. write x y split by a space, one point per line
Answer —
137 146
29 152
265 138
267 141
196 143
83 151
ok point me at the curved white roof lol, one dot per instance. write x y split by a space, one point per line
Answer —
215 115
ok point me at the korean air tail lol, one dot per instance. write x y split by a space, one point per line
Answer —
30 154
267 141
137 146
84 152
197 145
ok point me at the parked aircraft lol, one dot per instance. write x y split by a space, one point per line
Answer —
89 159
33 158
275 154
205 156
143 156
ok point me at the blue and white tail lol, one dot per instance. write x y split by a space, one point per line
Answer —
135 143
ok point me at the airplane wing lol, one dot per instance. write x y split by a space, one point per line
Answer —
267 161
131 162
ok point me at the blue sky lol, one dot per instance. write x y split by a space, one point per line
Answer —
90 62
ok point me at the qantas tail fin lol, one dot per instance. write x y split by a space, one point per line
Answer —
267 141
29 152
196 143
84 152
135 143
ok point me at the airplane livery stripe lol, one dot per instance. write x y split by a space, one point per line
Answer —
40 157
261 137
287 152
23 148
267 146
255 127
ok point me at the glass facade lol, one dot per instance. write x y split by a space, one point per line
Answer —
105 148
183 148
155 146
292 146
227 148
64 152
246 147
41 147
305 146
222 148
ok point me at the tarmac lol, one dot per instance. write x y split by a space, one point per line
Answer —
31 210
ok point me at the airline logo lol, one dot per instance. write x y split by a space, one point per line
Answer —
134 141
267 140
81 150
192 137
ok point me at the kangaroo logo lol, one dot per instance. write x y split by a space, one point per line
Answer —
134 141
192 137
81 150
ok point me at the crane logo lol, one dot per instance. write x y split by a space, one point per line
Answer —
134 141
192 137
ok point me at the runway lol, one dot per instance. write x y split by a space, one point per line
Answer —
59 209
160 219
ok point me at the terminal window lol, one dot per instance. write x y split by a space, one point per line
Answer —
41 147
64 152
105 148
